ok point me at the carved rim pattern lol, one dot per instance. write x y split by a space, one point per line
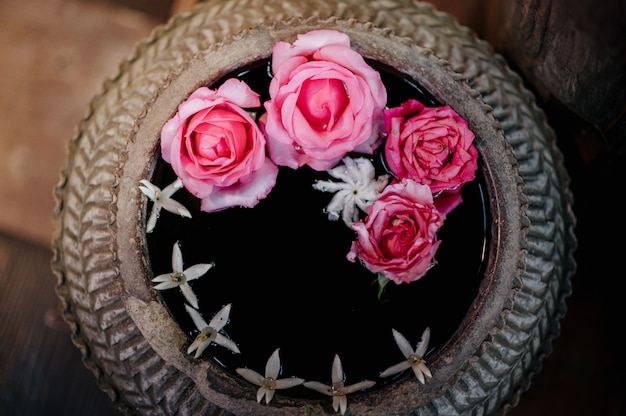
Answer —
126 336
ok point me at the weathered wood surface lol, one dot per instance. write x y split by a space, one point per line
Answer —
41 372
571 51
54 55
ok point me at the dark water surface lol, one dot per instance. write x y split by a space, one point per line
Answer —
283 267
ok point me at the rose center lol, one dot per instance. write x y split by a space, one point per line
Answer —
220 137
322 102
397 238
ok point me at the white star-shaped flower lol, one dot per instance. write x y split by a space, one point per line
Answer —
414 358
358 188
162 199
270 382
338 390
210 333
179 277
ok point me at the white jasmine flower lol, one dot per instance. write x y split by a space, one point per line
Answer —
337 390
210 333
179 277
414 359
162 199
357 188
270 383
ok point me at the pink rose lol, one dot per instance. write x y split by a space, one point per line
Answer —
399 236
216 148
325 101
432 146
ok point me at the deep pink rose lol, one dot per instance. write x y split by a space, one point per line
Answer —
399 235
216 148
433 146
325 101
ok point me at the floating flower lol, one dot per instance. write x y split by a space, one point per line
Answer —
270 382
325 101
357 188
414 359
217 149
210 333
337 390
162 199
398 238
433 146
180 278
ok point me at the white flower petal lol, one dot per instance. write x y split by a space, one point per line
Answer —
362 204
197 270
339 201
154 215
149 192
226 343
329 186
272 367
251 375
161 199
319 387
170 189
403 344
177 258
425 370
148 189
395 369
337 370
365 384
175 207
221 318
165 285
269 394
189 294
418 373
165 277
423 344
260 393
340 403
350 213
196 317
199 346
286 383
343 173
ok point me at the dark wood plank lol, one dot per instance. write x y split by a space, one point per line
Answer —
41 371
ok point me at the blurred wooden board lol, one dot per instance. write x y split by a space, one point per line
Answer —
55 55
41 372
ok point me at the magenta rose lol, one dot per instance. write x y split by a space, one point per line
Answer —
433 146
216 148
398 238
325 101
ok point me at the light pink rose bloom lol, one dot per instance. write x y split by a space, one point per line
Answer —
433 146
325 101
399 235
216 148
